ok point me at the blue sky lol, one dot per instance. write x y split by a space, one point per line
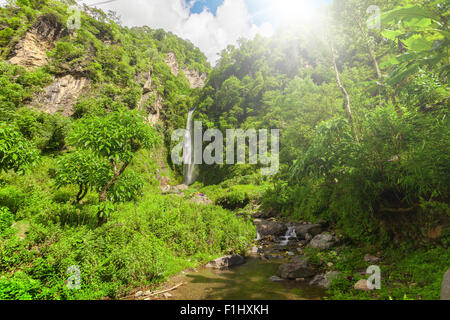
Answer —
199 5
212 25
256 9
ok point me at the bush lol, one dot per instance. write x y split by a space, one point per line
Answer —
12 198
6 220
128 188
234 199
19 287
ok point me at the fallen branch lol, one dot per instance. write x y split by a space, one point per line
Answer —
164 291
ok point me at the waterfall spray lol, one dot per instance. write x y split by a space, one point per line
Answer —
188 151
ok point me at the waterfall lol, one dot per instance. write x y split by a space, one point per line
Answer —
290 234
188 151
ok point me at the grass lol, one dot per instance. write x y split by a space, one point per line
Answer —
406 272
143 243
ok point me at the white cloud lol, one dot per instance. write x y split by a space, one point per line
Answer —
211 33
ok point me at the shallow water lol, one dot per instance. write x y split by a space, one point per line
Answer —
246 282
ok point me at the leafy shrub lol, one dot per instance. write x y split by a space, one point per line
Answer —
6 220
5 36
16 152
19 287
12 198
128 188
84 169
47 131
233 200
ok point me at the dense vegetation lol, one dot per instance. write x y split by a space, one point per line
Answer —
363 164
82 190
365 131
365 146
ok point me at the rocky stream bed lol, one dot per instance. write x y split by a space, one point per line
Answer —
273 269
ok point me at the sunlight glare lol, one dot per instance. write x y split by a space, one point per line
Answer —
294 11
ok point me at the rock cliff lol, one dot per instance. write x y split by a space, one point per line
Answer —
31 51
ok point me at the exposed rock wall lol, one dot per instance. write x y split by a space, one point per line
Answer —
153 111
145 79
171 61
154 107
196 79
31 51
61 95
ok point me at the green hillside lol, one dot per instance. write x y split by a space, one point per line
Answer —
87 114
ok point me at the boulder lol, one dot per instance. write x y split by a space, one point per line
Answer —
362 285
226 262
445 292
323 241
303 229
297 268
324 281
255 250
271 228
308 237
181 187
371 259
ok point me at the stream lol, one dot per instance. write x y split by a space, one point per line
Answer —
250 281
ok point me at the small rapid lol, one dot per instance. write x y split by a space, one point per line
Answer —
290 235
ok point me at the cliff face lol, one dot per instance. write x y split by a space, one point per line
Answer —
150 99
196 79
71 81
31 51
61 95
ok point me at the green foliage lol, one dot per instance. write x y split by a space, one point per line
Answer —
423 32
143 243
12 198
84 169
16 152
47 131
233 200
390 184
128 188
6 220
20 287
16 86
116 137
407 274
331 147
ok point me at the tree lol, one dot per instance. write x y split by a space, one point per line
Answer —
421 32
115 138
348 107
16 152
83 168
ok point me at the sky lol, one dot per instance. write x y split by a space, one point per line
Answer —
212 25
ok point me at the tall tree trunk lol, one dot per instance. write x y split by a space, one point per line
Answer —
348 107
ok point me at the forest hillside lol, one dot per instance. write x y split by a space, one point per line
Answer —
87 112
